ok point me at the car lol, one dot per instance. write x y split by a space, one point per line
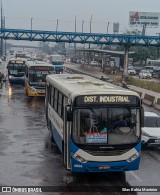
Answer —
145 74
151 129
94 63
131 71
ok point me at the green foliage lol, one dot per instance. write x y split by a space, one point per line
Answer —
150 85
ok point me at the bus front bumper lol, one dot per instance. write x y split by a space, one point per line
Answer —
120 166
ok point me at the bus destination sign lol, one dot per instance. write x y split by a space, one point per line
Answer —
17 62
41 68
103 99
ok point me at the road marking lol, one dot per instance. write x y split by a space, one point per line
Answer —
135 176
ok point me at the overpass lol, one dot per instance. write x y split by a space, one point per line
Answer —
77 37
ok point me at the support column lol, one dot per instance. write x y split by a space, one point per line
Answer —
125 67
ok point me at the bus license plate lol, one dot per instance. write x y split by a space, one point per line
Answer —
157 141
104 167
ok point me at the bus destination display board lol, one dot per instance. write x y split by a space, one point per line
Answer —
106 99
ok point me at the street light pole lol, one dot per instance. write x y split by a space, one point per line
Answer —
75 32
1 52
57 25
82 25
107 27
90 27
31 23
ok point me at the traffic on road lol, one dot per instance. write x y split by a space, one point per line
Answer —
29 157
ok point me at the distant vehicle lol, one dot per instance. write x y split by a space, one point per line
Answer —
94 63
154 63
16 70
145 74
35 77
0 61
154 70
131 71
151 129
57 61
20 55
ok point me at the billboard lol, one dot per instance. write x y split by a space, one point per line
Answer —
148 19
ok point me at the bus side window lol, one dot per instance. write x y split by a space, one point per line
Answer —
55 99
52 96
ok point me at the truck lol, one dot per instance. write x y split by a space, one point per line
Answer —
57 61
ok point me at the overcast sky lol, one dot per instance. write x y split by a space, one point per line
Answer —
45 13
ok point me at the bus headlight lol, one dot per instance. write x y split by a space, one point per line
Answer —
10 76
78 158
132 158
32 89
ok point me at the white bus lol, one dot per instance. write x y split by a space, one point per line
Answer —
96 125
35 77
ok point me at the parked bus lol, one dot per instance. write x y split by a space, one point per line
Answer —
16 70
35 77
81 114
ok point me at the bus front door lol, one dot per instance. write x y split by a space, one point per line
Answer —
66 135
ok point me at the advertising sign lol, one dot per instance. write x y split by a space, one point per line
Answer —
148 19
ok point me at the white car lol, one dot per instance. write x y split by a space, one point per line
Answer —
145 74
94 63
151 129
131 71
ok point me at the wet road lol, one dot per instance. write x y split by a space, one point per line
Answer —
25 160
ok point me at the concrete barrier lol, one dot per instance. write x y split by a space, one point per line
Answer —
148 100
157 104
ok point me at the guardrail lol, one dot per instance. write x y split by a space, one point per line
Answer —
149 100
157 104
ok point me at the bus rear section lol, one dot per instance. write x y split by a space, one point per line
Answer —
16 70
97 130
57 61
35 77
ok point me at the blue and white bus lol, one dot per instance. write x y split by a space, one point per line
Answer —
81 114
16 70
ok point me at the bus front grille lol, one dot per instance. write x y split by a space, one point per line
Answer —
107 153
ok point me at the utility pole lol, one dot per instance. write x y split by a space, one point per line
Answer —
107 27
1 52
90 27
75 32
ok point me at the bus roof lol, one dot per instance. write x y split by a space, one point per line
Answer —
16 59
38 63
78 84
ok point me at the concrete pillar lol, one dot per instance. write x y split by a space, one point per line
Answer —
125 69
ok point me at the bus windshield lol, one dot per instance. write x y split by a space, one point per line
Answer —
110 126
39 75
16 69
57 63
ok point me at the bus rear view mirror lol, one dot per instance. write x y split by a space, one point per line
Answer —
69 114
